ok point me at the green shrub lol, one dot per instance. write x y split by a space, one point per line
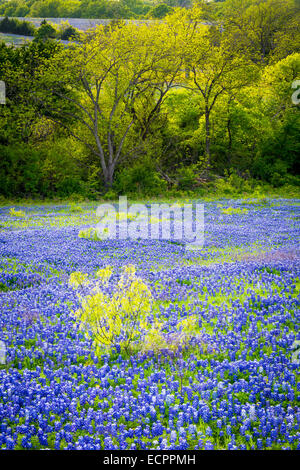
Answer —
188 177
75 207
110 195
69 33
14 26
232 210
90 234
46 31
139 179
119 318
20 173
76 197
233 184
126 318
159 11
13 212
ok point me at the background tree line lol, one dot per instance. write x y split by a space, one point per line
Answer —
45 31
89 8
145 108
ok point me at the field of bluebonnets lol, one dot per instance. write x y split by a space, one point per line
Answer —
226 376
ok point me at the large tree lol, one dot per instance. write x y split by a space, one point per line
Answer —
217 64
265 25
117 80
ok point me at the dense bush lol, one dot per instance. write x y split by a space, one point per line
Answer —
20 171
26 171
141 178
159 11
14 26
69 33
278 159
119 319
45 31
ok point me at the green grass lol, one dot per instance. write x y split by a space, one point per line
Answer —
258 196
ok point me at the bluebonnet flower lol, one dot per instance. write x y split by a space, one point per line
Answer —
241 375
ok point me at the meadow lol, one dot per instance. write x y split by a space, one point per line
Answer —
14 39
227 375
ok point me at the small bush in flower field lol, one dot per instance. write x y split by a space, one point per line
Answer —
118 319
90 234
232 210
15 213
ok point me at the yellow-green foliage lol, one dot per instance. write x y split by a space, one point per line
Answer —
16 213
188 325
118 318
75 207
258 199
104 274
78 279
123 318
126 216
232 210
91 234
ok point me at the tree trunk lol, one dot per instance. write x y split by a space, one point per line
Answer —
207 133
229 141
109 177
